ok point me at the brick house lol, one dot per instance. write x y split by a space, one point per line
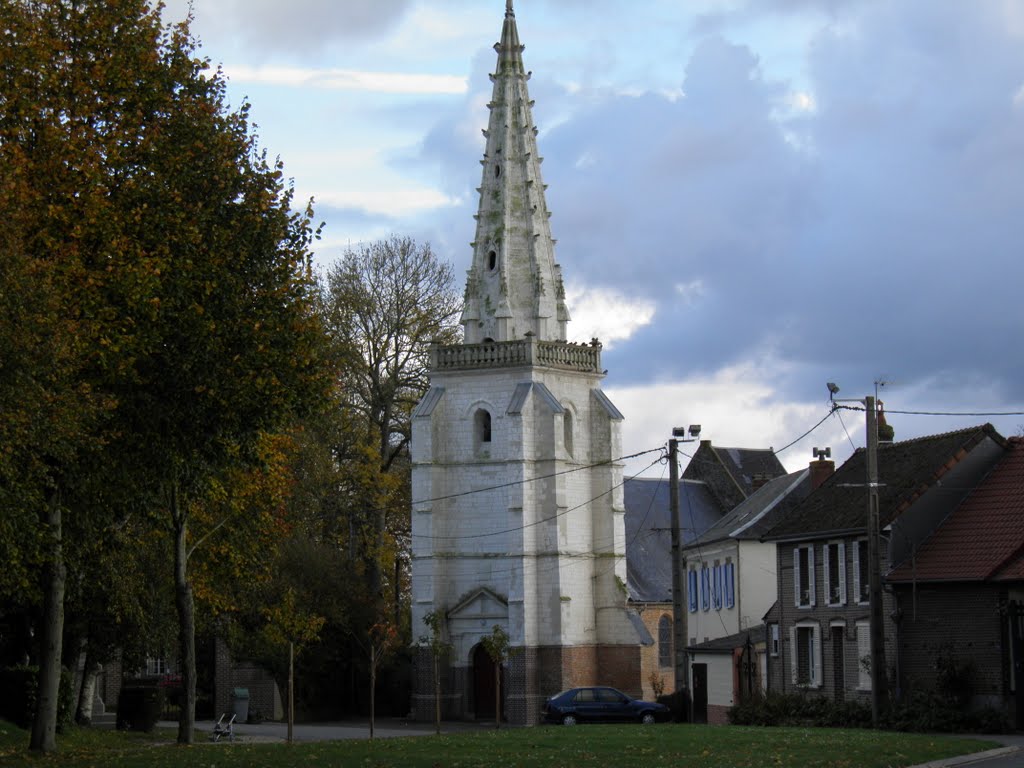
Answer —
959 594
817 631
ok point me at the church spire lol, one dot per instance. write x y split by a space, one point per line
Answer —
514 286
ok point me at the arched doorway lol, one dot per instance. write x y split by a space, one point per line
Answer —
483 682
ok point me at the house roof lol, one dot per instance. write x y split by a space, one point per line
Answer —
742 464
758 513
906 470
983 538
729 643
648 532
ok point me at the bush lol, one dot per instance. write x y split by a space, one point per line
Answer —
797 709
678 704
139 706
20 691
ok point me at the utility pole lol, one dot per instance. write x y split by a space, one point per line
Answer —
678 567
678 609
879 680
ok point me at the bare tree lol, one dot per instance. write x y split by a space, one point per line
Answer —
385 303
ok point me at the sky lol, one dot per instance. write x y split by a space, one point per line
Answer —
751 198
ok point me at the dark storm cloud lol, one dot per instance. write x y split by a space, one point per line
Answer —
878 234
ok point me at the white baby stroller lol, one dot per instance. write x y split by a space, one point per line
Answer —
223 730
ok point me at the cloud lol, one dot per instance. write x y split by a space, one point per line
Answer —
348 80
605 314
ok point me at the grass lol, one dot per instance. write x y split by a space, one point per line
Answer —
650 746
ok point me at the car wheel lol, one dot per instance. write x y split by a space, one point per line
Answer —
648 718
569 720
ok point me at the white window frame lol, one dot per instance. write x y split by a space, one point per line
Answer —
863 655
814 651
774 640
798 595
835 594
860 590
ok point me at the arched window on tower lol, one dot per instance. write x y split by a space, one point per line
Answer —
483 426
567 431
665 641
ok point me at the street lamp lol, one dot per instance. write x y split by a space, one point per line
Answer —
678 566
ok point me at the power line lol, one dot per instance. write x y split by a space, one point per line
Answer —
805 434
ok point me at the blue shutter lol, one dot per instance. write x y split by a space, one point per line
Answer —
730 585
718 587
705 588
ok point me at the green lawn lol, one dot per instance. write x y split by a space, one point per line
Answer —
612 746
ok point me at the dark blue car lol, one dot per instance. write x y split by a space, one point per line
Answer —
601 705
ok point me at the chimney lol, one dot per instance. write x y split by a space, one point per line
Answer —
759 480
885 431
822 468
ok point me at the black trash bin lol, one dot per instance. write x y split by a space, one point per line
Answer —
240 704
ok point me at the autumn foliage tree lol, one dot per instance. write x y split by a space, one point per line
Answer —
155 282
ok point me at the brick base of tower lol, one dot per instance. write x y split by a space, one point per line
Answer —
532 675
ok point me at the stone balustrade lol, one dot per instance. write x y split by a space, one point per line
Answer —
509 354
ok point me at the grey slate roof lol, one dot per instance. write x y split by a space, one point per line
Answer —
730 642
905 471
648 532
758 513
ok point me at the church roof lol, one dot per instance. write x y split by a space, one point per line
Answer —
513 286
648 532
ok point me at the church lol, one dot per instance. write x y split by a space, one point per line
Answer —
517 511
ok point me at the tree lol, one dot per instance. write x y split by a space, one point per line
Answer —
385 303
438 648
498 647
162 244
381 640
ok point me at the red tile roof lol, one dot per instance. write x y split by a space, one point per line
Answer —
984 536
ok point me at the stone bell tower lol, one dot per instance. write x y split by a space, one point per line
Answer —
517 515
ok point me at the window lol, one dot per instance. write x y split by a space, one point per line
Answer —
492 260
665 641
567 431
691 587
497 171
773 639
730 585
705 588
717 591
864 655
805 654
835 573
483 426
803 576
157 667
861 580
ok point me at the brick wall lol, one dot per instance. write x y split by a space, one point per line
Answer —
718 714
649 656
959 621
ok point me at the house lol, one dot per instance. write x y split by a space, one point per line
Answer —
649 565
818 629
960 595
730 584
732 474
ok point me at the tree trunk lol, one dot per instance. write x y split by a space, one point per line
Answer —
437 694
291 690
373 693
83 714
497 694
186 621
44 725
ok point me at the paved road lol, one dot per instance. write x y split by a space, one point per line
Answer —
383 728
1010 755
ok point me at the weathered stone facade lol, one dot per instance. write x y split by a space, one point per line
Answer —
517 517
